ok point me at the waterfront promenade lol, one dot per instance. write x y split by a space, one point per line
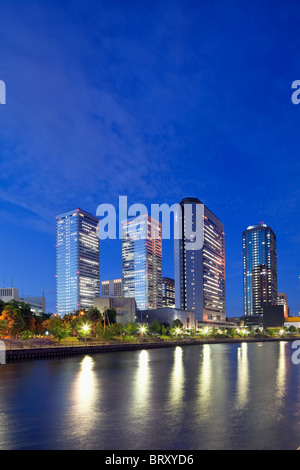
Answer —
39 349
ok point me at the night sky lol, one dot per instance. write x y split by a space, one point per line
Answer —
156 101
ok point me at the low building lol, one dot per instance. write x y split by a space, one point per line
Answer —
292 321
167 315
9 293
37 304
125 307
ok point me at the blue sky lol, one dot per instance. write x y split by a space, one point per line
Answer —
156 101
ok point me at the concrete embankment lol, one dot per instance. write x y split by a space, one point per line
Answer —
43 353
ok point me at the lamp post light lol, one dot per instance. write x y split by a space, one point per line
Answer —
143 329
85 329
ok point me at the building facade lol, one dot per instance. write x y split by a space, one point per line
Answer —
9 293
142 261
37 304
168 292
124 308
259 269
167 315
112 288
200 272
77 261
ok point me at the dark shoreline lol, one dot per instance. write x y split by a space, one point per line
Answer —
43 353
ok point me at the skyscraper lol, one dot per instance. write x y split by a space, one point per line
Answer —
200 272
142 261
77 261
259 269
168 292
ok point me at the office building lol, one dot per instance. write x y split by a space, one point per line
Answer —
9 293
37 304
142 261
200 263
168 292
259 269
77 261
112 288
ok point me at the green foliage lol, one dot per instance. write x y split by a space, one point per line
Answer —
177 323
27 334
110 315
292 329
165 329
93 314
58 328
156 326
131 328
3 327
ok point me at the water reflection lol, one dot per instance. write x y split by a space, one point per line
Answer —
242 376
84 395
177 378
141 393
205 383
281 372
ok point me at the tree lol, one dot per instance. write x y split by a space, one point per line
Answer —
177 323
131 328
165 328
2 305
23 308
99 329
3 327
155 326
32 324
14 319
110 316
58 328
93 314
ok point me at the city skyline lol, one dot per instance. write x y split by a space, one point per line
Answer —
157 104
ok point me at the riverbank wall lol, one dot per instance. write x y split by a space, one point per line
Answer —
56 352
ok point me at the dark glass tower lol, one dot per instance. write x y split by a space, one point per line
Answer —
77 261
200 272
259 269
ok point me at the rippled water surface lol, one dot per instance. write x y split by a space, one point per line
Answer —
222 396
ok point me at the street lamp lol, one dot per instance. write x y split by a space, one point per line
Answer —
143 329
85 329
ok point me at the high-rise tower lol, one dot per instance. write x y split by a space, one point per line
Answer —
142 261
200 272
77 261
259 269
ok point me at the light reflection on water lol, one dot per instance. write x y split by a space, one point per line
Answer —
177 378
226 396
205 380
242 376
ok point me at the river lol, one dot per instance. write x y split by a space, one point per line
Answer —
220 396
